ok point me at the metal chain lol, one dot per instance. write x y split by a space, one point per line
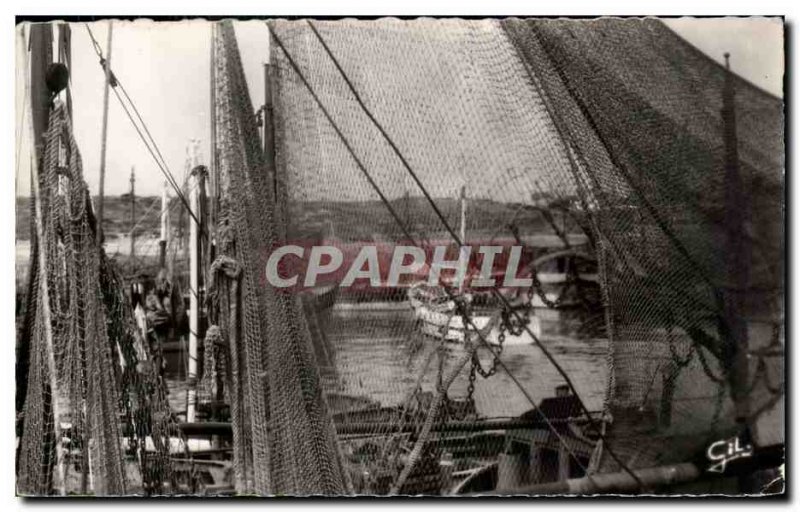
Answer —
505 324
536 287
472 375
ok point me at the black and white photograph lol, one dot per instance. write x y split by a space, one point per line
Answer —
399 256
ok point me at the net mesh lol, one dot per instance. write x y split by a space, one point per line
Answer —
102 402
692 270
281 419
643 180
617 126
454 97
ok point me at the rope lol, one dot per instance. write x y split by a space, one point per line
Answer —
154 151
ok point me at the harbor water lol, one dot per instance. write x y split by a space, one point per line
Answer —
378 354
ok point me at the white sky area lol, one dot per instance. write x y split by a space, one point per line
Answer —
165 68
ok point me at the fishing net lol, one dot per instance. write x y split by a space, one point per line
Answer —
605 138
282 431
94 419
643 180
410 408
680 166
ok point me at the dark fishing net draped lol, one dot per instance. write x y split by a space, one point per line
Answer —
682 171
669 166
285 443
106 403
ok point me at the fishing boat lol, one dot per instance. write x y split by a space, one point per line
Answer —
439 316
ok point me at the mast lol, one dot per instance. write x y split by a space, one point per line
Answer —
737 256
133 218
195 250
212 150
104 136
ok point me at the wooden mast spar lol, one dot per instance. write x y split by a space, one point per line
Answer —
104 136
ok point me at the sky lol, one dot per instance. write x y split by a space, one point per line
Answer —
755 45
165 69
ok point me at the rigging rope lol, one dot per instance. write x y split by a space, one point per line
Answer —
155 152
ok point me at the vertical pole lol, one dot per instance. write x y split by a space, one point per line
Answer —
162 243
41 48
65 57
195 249
738 256
133 218
212 151
104 135
191 394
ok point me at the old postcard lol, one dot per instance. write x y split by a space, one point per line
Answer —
430 256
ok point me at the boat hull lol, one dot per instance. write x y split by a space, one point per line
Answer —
441 321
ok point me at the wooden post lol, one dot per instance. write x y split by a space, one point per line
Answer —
65 57
104 136
195 250
41 48
133 218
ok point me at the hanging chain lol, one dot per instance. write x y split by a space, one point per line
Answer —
536 287
472 375
514 323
